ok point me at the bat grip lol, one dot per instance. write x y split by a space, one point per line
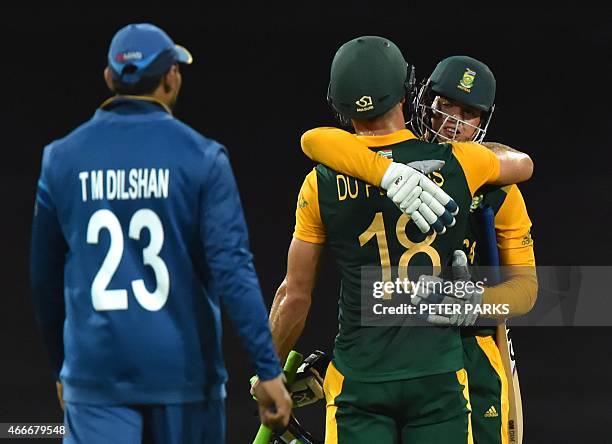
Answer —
293 362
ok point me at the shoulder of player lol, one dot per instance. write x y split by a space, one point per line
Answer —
191 137
416 149
313 175
323 170
324 176
467 147
63 144
410 144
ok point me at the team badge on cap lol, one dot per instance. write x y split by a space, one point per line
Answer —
467 81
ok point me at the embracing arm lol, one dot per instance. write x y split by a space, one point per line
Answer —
513 234
345 153
519 291
515 166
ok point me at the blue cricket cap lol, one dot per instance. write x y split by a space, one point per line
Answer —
143 50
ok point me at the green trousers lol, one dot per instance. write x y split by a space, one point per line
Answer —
428 410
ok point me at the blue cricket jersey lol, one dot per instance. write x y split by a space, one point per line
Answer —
138 239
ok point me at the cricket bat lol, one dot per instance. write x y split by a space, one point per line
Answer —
294 360
515 417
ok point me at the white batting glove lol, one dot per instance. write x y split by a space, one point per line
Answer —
416 195
434 290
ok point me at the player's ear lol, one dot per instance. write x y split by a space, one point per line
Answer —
171 80
108 78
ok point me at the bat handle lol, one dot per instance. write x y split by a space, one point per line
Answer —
264 435
294 360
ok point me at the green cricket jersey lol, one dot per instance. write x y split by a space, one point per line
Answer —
364 228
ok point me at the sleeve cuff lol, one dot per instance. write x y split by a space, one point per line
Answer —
269 373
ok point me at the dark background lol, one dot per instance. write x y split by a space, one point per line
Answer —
259 81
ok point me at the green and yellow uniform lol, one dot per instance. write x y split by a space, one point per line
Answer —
390 382
489 382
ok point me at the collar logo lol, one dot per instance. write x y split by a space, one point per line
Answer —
385 153
364 104
128 56
476 200
467 81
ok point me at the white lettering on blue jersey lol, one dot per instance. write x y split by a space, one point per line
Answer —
137 183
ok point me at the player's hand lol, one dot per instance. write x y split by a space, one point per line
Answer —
307 387
434 290
274 403
60 393
416 195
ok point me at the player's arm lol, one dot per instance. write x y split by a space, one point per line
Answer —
520 287
292 301
47 252
228 258
344 152
482 166
516 164
413 192
224 237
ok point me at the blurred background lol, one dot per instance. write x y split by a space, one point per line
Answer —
258 82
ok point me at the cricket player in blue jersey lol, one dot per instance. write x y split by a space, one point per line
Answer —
138 238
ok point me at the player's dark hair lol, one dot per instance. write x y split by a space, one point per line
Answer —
146 85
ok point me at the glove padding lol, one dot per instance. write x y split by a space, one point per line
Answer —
429 292
419 197
307 387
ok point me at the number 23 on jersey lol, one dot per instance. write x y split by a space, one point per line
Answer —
104 299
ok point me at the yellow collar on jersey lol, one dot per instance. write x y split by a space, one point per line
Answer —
387 139
142 98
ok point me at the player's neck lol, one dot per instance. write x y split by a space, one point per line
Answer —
386 124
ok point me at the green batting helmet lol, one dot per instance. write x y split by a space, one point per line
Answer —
465 80
460 78
369 76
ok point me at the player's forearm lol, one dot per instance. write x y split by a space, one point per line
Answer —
245 307
515 166
519 291
343 152
280 293
287 319
293 298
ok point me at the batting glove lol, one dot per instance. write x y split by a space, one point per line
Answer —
441 295
307 387
416 195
